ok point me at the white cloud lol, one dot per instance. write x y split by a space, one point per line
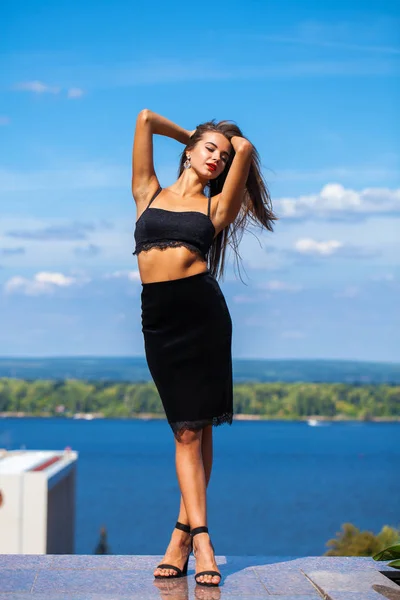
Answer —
335 201
54 279
44 282
37 87
255 321
91 175
312 247
350 291
169 70
70 231
87 251
308 248
293 334
362 172
75 92
325 43
279 286
243 299
130 275
383 277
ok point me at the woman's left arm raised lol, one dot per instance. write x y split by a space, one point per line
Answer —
231 197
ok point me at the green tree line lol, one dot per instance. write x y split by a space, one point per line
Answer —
268 400
350 541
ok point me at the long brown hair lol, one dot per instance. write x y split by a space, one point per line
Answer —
256 205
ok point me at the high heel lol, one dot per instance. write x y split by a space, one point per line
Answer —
194 532
179 572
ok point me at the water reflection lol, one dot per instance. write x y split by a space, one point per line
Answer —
178 589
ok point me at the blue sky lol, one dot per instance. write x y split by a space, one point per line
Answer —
313 85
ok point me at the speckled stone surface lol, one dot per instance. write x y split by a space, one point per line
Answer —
367 582
76 577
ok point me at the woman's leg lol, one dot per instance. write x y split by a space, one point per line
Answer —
192 482
195 450
207 455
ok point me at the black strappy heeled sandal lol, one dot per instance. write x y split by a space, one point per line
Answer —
179 572
193 532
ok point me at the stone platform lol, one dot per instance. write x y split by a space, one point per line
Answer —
78 577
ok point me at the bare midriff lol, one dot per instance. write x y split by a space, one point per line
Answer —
169 263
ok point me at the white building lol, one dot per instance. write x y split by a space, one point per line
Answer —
37 501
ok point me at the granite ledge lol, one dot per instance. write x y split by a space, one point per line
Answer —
56 577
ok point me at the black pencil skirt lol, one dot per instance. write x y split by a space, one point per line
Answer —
187 333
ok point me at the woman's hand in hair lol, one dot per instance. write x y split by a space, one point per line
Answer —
189 135
240 143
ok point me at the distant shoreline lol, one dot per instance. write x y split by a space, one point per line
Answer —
236 417
132 370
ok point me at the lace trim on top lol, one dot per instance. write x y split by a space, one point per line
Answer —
181 426
163 244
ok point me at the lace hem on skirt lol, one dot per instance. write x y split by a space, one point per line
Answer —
180 426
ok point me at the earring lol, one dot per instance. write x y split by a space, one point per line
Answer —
187 164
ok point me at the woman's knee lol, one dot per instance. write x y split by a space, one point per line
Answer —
188 437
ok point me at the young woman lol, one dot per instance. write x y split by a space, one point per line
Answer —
181 236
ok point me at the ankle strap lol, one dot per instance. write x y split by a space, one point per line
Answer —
197 530
182 527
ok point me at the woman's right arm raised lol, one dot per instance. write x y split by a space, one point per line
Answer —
144 178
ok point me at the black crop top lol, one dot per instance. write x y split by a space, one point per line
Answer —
161 228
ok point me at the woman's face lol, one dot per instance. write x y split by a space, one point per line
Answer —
210 155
